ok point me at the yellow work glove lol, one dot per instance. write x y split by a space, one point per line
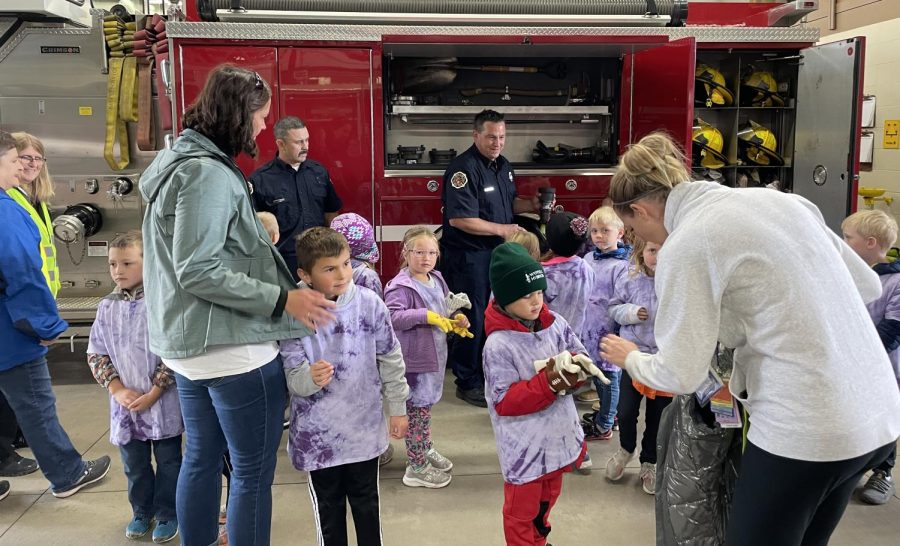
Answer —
443 323
459 329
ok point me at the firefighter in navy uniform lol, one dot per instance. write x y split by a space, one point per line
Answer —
479 198
297 190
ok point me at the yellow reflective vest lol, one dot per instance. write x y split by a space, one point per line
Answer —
45 227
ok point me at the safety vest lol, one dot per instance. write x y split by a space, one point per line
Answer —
45 227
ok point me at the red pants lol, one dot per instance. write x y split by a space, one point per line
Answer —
526 509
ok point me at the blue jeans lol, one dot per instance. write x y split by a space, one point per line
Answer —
152 495
609 400
28 391
243 414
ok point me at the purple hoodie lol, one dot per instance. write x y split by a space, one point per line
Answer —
887 306
607 272
633 291
406 303
424 346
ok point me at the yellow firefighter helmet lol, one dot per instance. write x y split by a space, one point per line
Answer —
707 143
709 87
757 145
761 89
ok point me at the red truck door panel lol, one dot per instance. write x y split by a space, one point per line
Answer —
330 89
196 61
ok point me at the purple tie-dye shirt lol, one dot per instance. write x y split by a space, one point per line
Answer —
120 331
569 284
530 446
633 292
598 323
365 276
343 422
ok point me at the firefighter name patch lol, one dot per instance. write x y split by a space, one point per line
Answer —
459 180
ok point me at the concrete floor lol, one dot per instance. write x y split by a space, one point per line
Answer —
590 510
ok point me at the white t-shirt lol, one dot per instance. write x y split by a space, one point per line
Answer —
760 271
224 360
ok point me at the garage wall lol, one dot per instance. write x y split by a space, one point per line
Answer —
852 14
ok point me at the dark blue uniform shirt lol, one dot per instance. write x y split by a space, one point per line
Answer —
476 187
298 199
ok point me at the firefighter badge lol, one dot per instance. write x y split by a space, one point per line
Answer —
459 180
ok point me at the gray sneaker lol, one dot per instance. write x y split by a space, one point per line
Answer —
879 489
386 457
94 471
648 478
438 461
429 477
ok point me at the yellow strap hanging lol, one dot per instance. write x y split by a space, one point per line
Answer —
115 125
128 96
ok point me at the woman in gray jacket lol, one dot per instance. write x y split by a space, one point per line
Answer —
760 271
219 297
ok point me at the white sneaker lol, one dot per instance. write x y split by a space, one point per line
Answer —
586 465
386 457
590 395
438 461
429 477
648 478
615 466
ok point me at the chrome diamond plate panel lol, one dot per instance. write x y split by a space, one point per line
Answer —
373 33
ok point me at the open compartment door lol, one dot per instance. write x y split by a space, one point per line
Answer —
658 92
829 102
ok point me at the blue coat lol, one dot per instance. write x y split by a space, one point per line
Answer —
28 312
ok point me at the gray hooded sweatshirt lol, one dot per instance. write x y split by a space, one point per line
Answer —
760 271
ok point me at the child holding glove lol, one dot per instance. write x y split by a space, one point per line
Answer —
420 305
535 423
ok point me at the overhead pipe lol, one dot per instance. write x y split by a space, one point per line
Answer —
673 11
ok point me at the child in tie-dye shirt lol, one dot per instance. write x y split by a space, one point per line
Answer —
145 416
338 379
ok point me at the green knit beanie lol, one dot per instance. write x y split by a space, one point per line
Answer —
514 273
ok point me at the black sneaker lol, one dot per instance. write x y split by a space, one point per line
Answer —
19 442
588 418
474 397
4 489
18 466
593 433
94 471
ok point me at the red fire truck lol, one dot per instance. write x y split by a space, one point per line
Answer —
389 89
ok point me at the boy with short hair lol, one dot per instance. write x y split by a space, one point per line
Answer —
870 234
144 412
337 379
609 261
529 369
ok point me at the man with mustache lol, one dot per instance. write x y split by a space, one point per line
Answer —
297 190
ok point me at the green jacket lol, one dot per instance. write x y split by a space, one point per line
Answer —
211 274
